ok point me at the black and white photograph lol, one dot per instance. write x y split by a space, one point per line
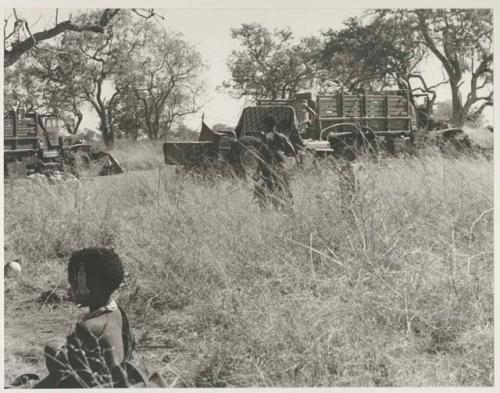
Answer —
218 194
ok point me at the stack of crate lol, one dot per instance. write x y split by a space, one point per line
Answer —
385 111
21 143
20 133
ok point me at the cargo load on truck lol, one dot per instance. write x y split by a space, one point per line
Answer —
33 144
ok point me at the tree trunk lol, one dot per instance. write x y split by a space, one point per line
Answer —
283 92
110 143
108 134
458 115
149 125
156 127
79 118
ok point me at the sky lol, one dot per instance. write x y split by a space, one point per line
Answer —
209 30
216 44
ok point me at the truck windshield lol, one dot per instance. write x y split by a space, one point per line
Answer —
252 117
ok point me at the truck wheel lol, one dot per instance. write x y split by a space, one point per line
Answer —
346 148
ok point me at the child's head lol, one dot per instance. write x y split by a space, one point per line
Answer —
94 274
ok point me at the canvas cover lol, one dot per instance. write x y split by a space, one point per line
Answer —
206 133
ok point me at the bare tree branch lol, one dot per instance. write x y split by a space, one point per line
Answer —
150 13
488 97
429 42
482 107
19 48
439 84
29 31
6 21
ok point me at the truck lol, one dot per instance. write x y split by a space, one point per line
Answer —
341 124
33 144
236 150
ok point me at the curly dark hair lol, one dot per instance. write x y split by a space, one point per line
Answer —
103 267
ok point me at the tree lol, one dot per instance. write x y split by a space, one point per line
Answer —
84 66
462 41
163 75
14 25
21 89
184 133
134 75
370 55
388 49
270 65
128 116
26 88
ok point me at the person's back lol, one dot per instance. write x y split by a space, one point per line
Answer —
280 143
108 328
101 342
98 352
274 182
275 145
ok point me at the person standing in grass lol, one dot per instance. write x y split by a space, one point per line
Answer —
99 350
273 182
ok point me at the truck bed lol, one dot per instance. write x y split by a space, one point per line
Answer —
386 114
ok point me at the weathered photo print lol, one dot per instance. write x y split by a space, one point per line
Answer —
248 197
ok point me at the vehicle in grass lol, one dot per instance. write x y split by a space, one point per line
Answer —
33 144
236 150
344 124
340 125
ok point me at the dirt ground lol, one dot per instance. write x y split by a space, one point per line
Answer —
30 324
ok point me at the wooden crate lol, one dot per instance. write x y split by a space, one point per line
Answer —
375 106
351 106
397 106
328 106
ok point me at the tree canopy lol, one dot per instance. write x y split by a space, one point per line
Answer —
134 74
19 38
386 47
374 55
270 65
462 41
139 76
163 76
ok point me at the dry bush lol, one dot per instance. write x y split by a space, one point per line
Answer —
394 289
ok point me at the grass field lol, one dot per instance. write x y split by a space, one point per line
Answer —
395 291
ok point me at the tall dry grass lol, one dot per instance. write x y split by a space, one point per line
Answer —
395 291
140 155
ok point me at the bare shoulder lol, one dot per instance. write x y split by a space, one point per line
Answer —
97 325
94 326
